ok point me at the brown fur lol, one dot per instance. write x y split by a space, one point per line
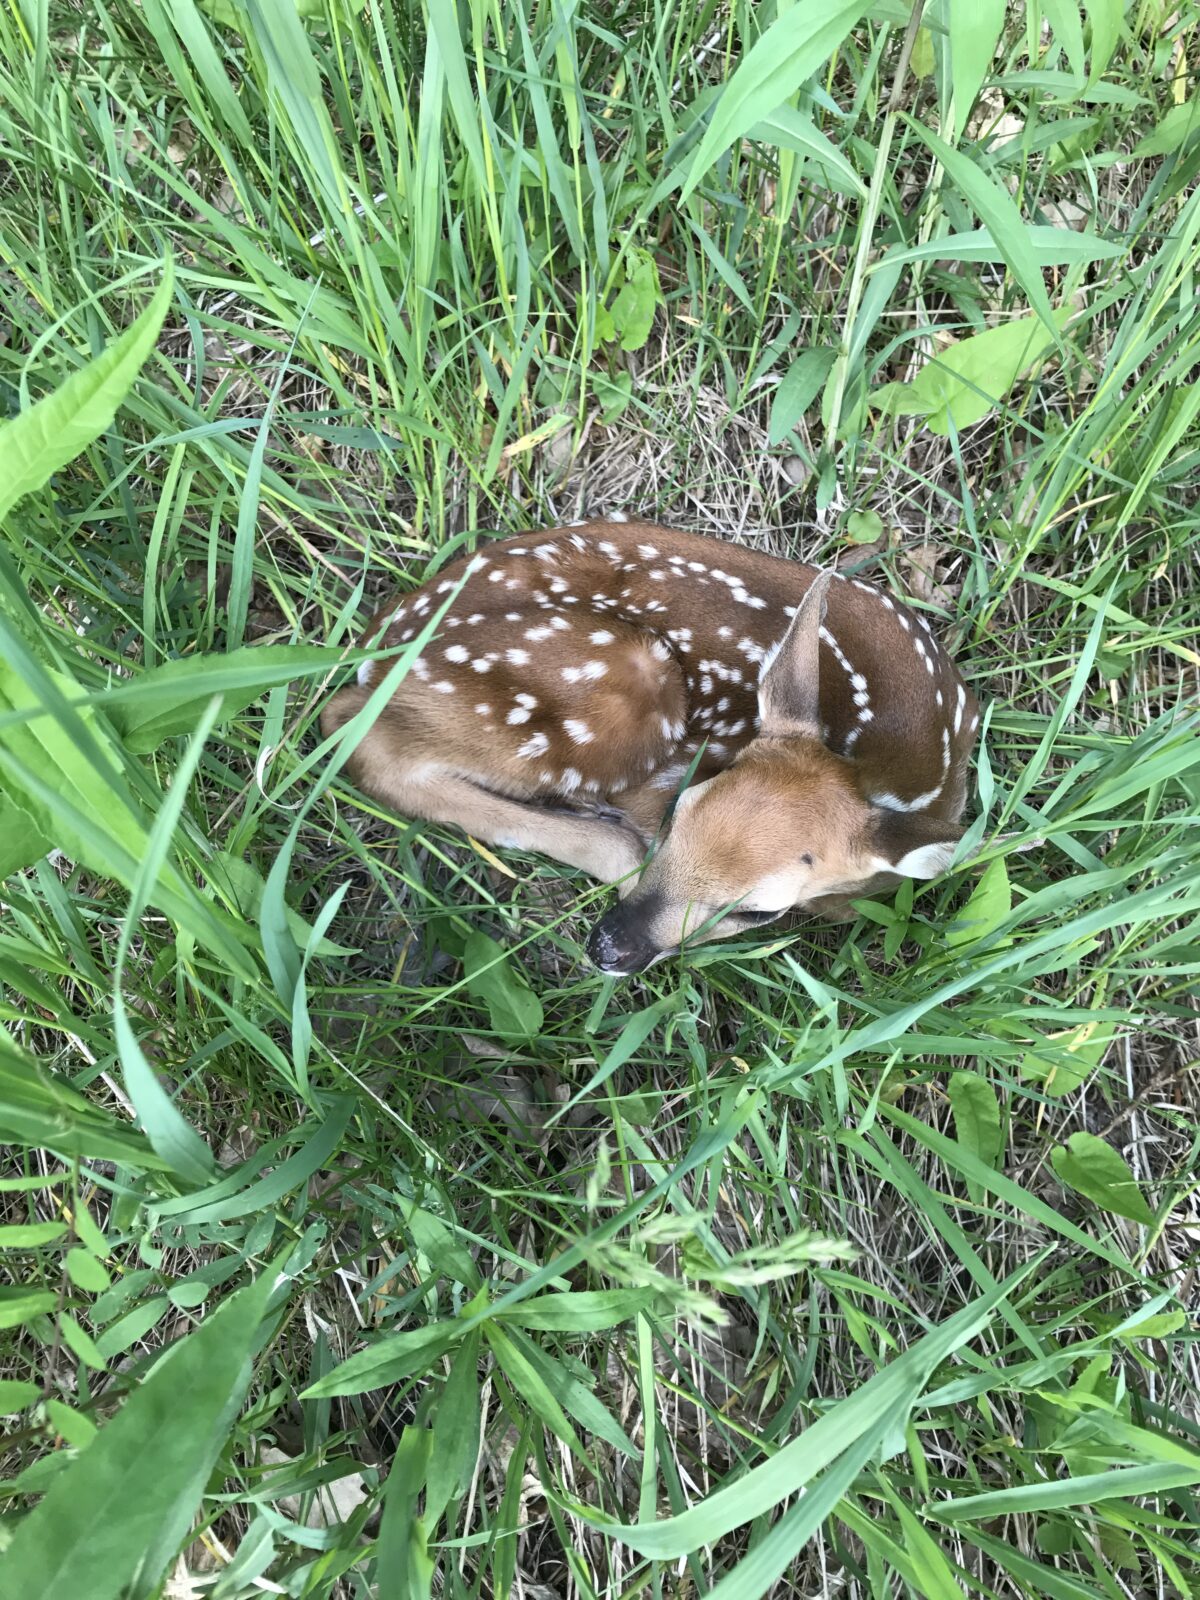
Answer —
608 658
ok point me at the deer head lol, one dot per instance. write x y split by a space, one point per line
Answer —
785 827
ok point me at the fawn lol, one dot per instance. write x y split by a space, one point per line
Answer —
584 672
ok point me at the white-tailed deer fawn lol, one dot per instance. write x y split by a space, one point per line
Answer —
583 671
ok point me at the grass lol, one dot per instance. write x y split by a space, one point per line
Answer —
478 1272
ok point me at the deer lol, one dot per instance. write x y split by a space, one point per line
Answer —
726 735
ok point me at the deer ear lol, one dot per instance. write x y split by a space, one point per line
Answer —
911 844
789 691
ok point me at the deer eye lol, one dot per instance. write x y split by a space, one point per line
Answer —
806 860
759 916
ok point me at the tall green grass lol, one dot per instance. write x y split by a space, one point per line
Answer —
362 1240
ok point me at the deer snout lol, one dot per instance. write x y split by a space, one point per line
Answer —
620 943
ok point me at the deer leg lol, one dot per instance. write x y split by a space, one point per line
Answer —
603 847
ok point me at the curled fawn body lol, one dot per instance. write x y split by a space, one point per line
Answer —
583 670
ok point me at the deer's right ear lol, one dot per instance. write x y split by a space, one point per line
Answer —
911 844
789 690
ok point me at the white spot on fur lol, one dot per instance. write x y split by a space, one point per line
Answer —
560 623
457 653
536 635
482 664
570 780
724 633
443 686
578 732
364 672
602 636
517 715
483 708
517 658
536 745
647 551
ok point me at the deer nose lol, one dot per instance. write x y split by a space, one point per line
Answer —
619 944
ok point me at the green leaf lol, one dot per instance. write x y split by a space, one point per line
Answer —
962 383
70 1424
244 886
37 442
122 1507
799 387
30 1235
492 976
1052 247
80 1343
1061 1062
789 129
455 1431
39 1110
792 49
975 27
922 60
1093 1169
864 527
19 1305
16 1395
167 700
997 210
582 1311
1177 129
976 1116
990 903
85 1272
388 1360
632 312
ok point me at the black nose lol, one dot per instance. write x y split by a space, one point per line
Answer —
618 946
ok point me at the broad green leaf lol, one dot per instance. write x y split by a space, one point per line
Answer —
70 1424
1119 1483
963 382
632 312
976 1116
1052 247
493 977
167 700
30 1235
132 1327
789 129
1177 129
792 49
455 1431
1092 1168
975 27
37 442
123 1505
16 1394
1063 1061
798 388
1064 18
997 210
85 1272
19 1305
403 1566
80 1343
41 1111
388 1360
583 1311
990 902
864 527
1104 17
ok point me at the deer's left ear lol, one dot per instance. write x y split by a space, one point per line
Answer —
789 689
911 844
